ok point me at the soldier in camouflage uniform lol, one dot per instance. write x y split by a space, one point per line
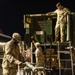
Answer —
61 22
39 58
12 55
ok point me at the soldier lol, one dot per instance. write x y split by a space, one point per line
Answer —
12 57
39 58
61 12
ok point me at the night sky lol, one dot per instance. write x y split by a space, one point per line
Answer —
12 11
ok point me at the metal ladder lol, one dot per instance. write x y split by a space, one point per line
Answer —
65 58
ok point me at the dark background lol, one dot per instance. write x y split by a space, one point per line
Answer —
12 11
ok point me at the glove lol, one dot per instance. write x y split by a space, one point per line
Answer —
19 63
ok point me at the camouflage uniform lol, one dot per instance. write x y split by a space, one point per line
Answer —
61 23
11 58
39 59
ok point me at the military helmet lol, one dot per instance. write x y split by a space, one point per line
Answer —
37 44
16 36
